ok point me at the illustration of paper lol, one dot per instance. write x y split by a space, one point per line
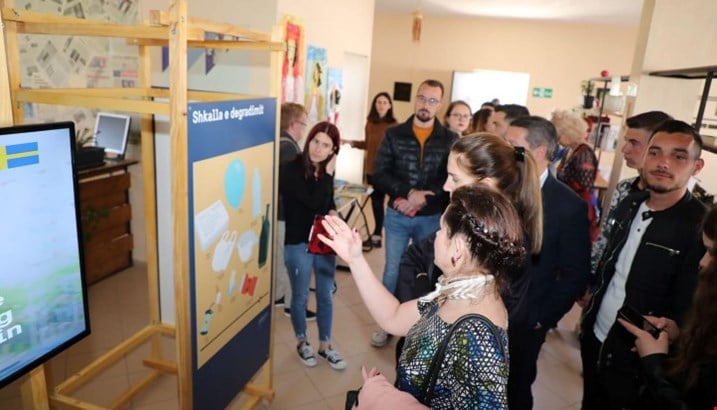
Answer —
210 223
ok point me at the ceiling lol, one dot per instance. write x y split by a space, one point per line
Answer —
623 12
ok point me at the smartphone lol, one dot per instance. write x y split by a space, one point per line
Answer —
632 315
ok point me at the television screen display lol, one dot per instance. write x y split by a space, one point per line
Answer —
111 131
43 297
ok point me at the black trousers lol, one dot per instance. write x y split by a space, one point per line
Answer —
377 200
614 386
524 348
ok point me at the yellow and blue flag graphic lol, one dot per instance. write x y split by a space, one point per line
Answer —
19 155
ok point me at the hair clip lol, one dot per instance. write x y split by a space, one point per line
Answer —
519 154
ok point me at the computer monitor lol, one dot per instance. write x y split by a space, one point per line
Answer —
43 295
111 132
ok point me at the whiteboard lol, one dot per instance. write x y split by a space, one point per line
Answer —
479 86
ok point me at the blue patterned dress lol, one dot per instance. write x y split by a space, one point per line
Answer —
474 372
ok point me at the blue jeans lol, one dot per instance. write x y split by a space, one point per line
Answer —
399 230
299 264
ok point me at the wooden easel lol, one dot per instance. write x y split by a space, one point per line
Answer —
173 28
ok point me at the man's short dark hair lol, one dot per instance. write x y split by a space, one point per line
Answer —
433 83
680 127
647 121
541 132
512 111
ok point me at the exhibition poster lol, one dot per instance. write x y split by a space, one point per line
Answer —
231 185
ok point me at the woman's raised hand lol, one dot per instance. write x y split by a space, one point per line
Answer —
346 242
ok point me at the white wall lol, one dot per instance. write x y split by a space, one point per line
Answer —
345 27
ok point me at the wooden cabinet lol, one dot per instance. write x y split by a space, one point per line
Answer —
105 219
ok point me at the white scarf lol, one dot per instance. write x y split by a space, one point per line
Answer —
463 288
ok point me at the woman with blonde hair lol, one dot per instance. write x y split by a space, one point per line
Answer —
579 166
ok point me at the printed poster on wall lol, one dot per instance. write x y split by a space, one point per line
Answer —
335 90
231 177
292 68
316 83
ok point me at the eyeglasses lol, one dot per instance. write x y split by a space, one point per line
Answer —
461 116
430 101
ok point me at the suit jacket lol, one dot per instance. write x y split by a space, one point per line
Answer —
559 273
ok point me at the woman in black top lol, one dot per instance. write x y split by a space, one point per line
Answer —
307 189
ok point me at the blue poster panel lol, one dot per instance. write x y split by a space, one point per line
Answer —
231 177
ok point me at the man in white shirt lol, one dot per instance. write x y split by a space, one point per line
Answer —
650 263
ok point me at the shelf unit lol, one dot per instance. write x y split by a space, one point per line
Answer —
175 29
600 124
695 73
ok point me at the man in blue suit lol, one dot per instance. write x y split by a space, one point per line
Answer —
559 273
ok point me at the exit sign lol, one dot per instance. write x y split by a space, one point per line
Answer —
540 92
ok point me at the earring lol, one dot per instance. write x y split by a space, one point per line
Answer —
453 261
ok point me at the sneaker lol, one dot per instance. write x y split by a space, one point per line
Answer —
334 358
380 338
279 302
306 354
310 316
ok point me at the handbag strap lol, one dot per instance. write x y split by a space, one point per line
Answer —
429 383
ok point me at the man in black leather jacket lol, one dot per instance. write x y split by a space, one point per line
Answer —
650 263
410 166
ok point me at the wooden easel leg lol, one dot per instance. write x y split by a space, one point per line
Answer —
34 391
261 391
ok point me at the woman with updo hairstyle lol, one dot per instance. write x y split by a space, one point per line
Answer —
483 160
479 243
579 166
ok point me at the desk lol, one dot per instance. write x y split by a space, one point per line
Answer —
351 199
105 212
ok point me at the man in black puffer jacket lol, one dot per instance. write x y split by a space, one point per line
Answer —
410 166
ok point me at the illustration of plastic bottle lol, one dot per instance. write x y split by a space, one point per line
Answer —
264 238
205 325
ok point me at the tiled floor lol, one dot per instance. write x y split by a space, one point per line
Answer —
119 309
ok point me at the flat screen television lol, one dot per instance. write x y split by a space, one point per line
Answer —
43 295
111 133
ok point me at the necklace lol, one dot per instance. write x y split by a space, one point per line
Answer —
462 288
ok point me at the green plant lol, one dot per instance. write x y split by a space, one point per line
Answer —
587 87
89 220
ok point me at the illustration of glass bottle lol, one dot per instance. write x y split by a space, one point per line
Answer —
264 238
